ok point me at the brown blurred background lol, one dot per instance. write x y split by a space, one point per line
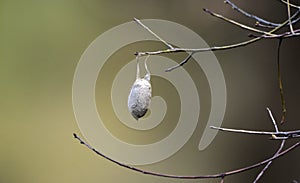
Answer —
41 43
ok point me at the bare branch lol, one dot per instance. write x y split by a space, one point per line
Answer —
256 18
260 21
281 36
292 5
237 23
275 135
220 175
272 119
151 32
181 63
222 180
215 48
269 163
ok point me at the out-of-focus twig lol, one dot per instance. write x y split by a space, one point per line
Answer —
282 98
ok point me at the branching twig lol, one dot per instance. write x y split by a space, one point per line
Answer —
292 5
289 16
153 33
280 36
278 151
274 135
237 23
220 175
214 48
260 21
256 18
269 163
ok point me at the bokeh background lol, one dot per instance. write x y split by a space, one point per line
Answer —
41 43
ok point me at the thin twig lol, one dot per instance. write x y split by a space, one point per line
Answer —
275 135
278 151
269 163
153 33
181 63
272 119
215 48
263 25
259 21
282 35
222 180
278 135
237 23
220 175
256 18
271 27
292 5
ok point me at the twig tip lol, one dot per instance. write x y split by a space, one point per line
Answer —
75 135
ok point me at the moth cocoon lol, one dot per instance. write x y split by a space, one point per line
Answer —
140 94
